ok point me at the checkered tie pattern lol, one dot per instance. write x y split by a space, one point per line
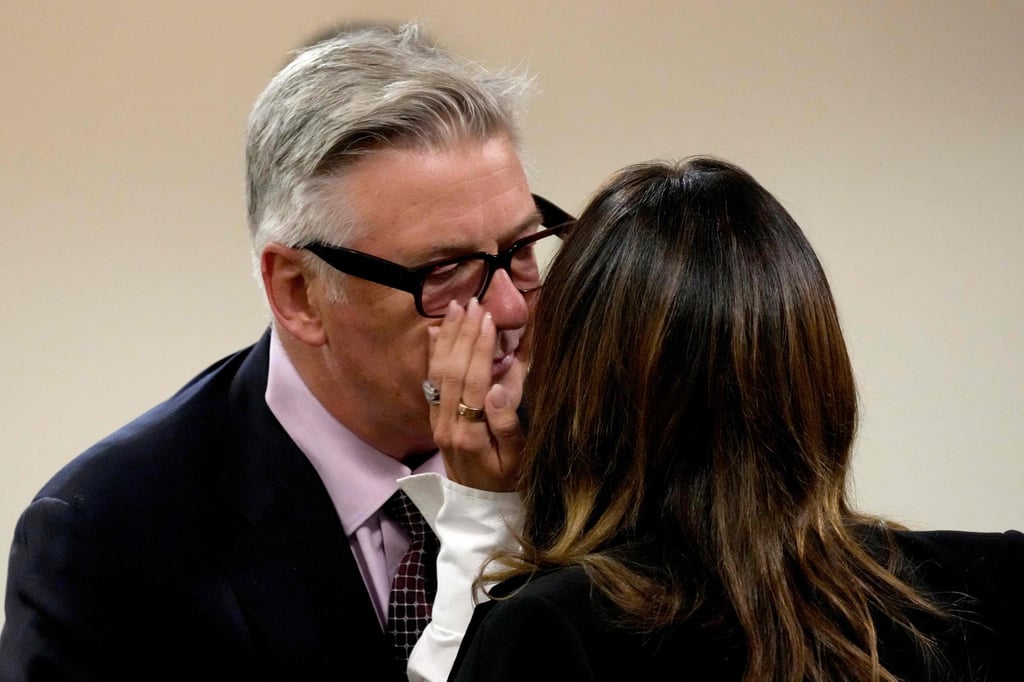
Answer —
415 582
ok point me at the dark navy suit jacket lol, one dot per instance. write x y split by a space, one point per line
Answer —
195 543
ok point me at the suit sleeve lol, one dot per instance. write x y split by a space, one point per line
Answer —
522 638
63 619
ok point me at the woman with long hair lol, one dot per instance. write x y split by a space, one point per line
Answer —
691 413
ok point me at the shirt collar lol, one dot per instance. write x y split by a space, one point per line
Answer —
358 477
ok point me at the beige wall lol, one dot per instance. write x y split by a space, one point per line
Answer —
893 131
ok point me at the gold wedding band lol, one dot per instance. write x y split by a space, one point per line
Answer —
477 414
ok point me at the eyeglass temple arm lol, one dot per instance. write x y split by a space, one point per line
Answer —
365 266
551 215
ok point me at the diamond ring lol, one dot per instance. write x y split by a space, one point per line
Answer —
431 392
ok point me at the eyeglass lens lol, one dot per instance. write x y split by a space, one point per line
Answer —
464 279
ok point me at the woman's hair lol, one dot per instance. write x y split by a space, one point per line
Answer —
691 414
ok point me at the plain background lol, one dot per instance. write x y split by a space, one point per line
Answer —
892 131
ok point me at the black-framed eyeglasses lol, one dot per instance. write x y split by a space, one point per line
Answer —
433 285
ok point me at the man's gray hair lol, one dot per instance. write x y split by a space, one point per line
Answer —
346 96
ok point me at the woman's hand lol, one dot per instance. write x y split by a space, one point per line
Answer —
481 452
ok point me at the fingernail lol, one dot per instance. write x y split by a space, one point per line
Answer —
499 399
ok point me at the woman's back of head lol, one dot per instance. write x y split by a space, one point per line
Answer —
692 410
687 339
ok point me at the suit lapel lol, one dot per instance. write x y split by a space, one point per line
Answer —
290 564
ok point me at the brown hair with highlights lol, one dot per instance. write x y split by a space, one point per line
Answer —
692 410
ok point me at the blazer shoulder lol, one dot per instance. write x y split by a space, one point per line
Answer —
548 581
171 447
976 578
542 622
955 550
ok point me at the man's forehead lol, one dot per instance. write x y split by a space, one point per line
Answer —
474 192
440 235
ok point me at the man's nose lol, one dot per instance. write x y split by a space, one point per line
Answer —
505 303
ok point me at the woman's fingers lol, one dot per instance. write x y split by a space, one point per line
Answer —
433 376
477 380
441 354
475 422
509 441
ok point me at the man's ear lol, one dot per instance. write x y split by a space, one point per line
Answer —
295 305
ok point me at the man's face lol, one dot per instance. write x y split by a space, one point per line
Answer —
416 207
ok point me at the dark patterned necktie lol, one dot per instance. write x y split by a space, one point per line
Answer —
412 591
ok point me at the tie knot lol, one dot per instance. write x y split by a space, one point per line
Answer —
400 508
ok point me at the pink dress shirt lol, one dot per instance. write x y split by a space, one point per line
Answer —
358 478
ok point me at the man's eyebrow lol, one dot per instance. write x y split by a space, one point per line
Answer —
514 234
509 237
